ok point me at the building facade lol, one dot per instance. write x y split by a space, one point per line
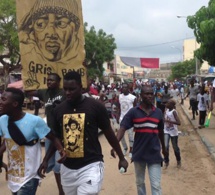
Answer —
189 46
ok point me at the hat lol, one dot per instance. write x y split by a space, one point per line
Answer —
67 8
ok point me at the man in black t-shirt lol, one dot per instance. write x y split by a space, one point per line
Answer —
51 96
77 121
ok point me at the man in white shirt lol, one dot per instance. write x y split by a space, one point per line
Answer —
126 101
174 92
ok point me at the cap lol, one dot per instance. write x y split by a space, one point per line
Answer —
67 8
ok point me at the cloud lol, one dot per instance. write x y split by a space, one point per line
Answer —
144 28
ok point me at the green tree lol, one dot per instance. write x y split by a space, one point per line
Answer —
9 43
203 24
182 69
99 48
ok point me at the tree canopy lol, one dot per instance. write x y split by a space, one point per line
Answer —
182 69
203 24
9 43
99 48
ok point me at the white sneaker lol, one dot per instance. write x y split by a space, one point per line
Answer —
130 155
124 152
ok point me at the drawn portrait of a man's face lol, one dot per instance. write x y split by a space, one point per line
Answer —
53 35
51 39
52 26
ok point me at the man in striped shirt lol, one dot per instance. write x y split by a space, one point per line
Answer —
148 124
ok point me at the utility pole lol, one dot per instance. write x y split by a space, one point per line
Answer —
196 59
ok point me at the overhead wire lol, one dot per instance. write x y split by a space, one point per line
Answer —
154 45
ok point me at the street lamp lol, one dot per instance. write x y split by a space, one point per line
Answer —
196 60
181 16
181 53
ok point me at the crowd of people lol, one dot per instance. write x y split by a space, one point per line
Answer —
147 111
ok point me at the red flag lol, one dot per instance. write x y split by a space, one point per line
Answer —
149 62
141 62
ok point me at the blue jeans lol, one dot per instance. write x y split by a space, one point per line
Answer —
28 188
53 165
130 139
154 171
176 149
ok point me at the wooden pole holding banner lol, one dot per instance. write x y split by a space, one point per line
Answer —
51 36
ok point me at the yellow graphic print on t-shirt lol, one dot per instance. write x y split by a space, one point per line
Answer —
16 161
73 132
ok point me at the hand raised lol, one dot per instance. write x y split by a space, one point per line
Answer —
32 80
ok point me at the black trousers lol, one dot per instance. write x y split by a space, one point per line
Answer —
202 116
194 104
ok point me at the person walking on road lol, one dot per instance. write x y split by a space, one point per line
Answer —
77 120
192 93
203 105
126 102
175 93
148 124
165 96
22 132
172 121
182 94
37 105
114 112
158 96
212 95
51 96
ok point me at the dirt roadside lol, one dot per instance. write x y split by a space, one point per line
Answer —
196 176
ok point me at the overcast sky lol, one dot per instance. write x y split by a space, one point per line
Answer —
144 28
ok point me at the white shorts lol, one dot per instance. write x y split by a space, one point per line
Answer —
84 181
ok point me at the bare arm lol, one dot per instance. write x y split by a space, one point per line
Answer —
55 144
1 152
135 102
120 134
161 137
113 141
2 164
188 92
119 113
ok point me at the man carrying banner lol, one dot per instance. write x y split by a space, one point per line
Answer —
51 96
